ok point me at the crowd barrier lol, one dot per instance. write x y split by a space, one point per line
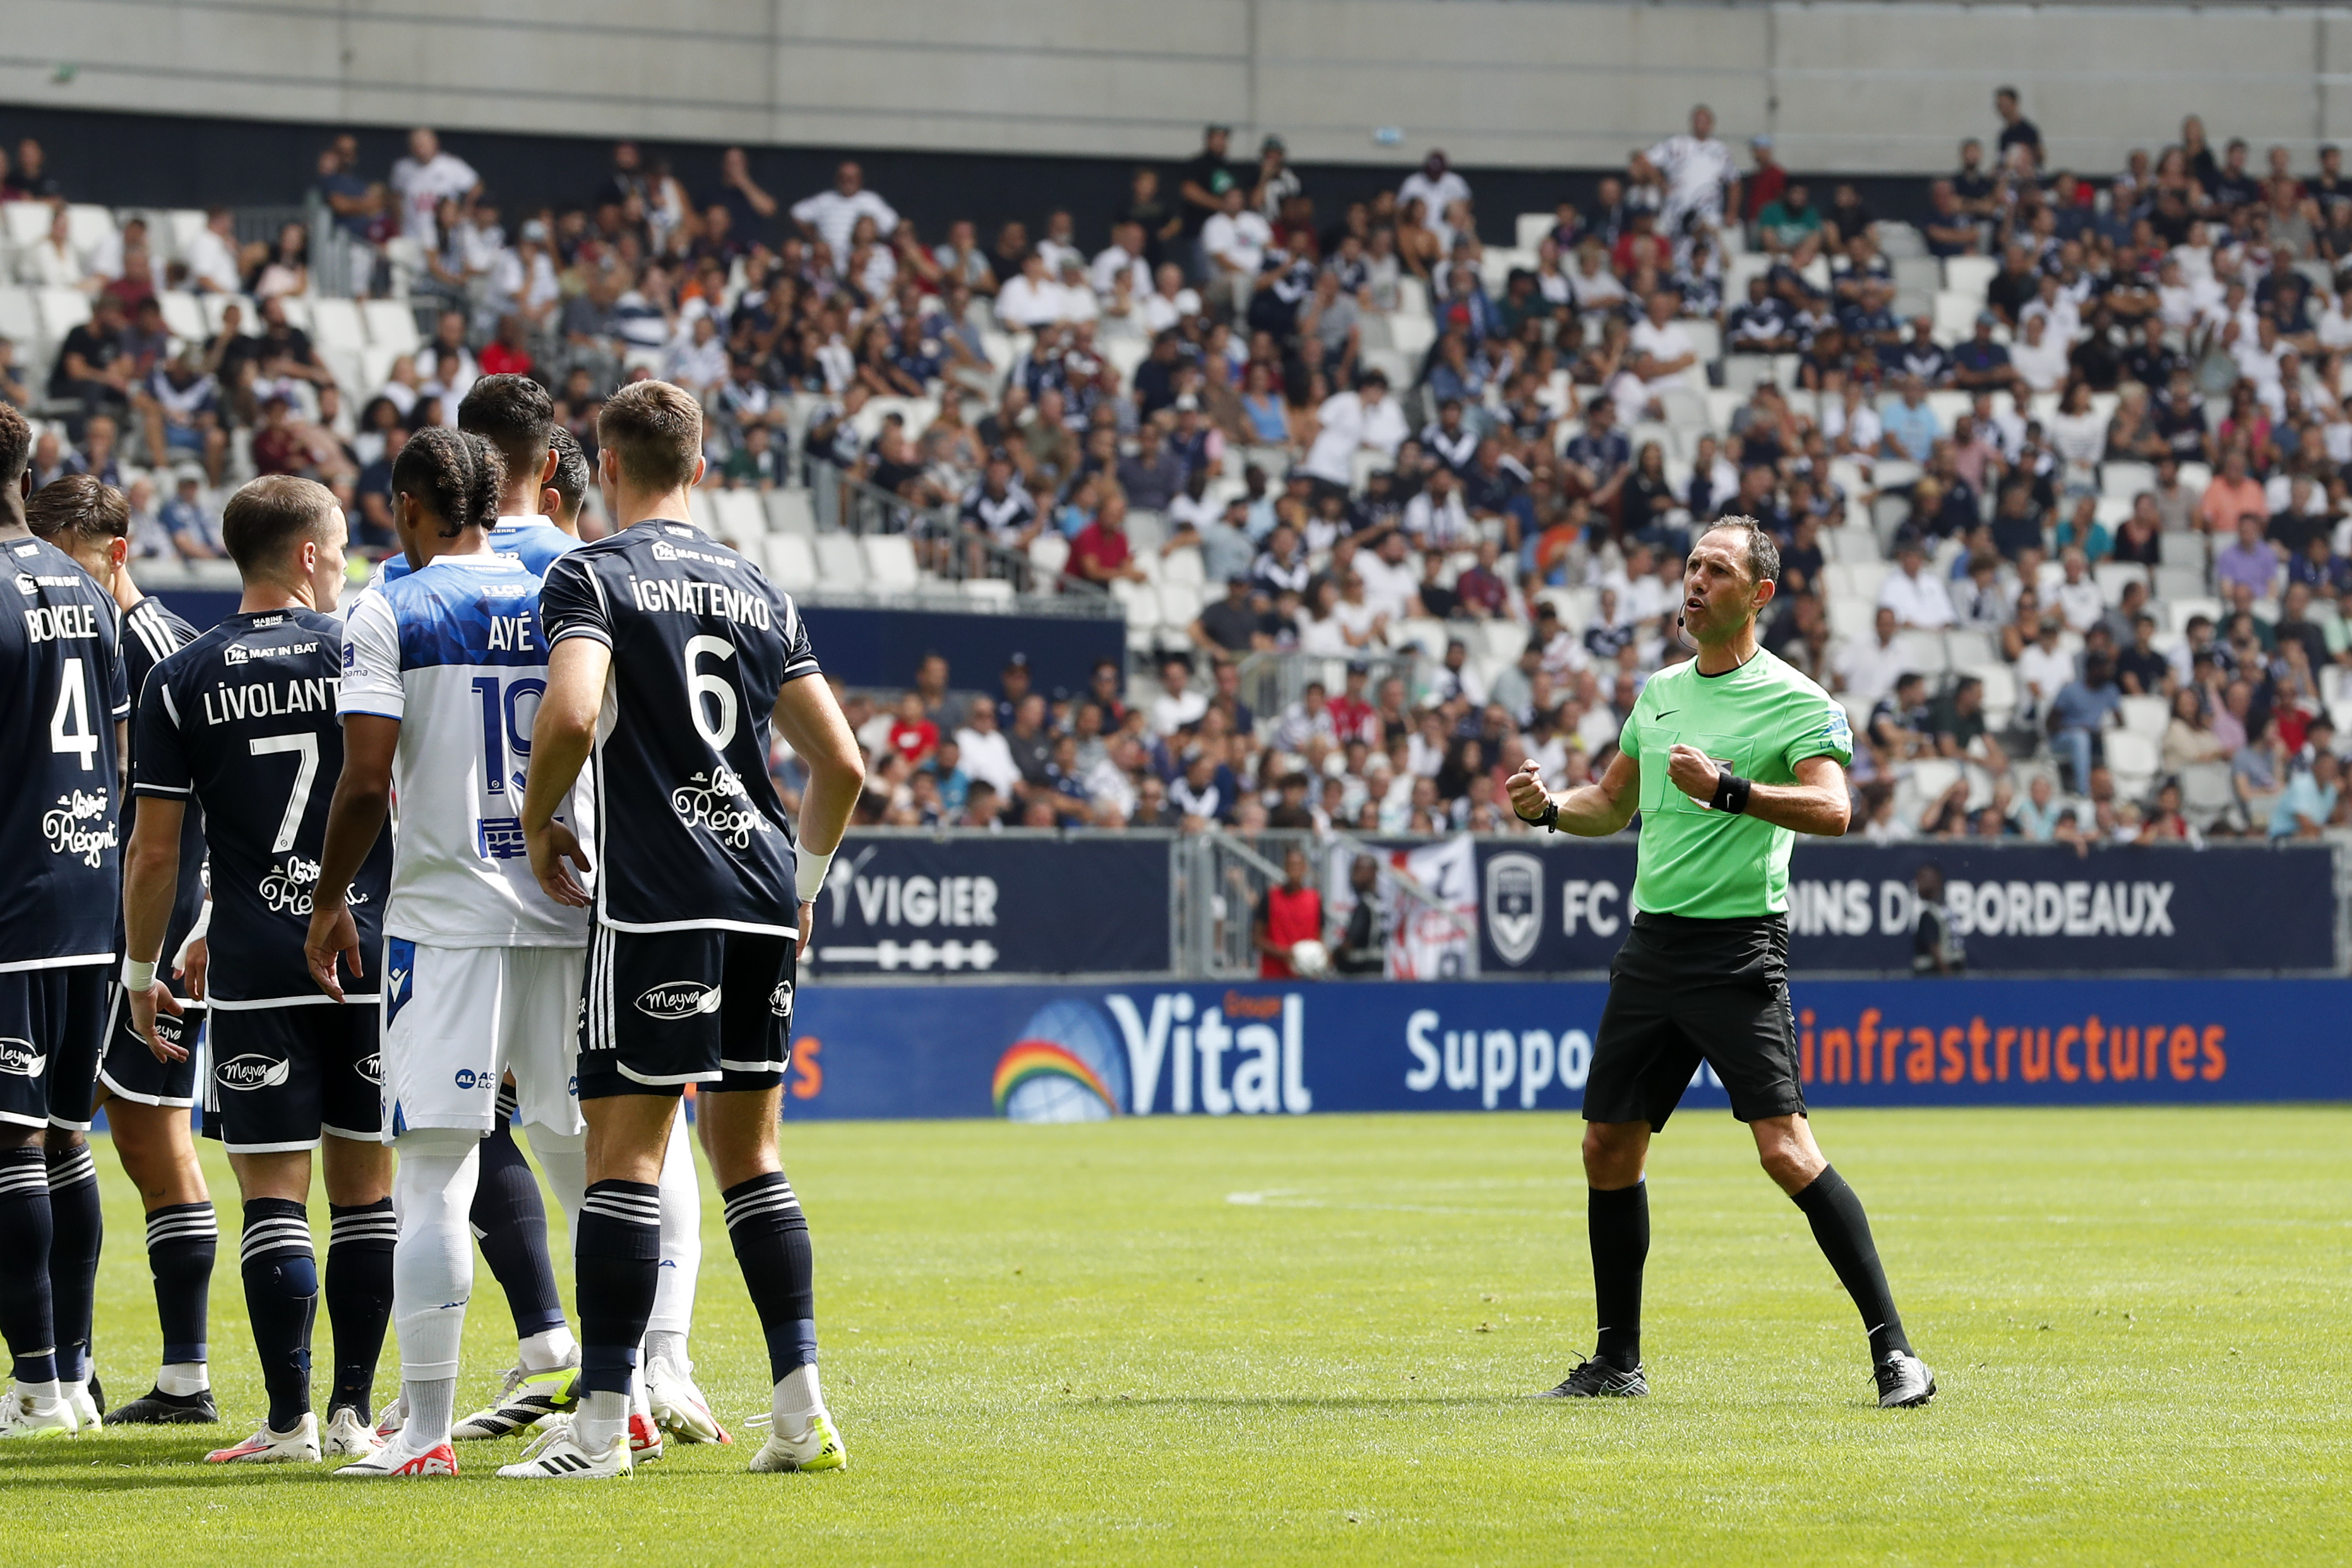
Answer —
1086 1052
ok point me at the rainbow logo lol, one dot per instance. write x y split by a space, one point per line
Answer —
1066 1066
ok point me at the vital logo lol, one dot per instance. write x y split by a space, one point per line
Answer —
779 1000
1066 1066
678 999
1514 905
251 1071
19 1058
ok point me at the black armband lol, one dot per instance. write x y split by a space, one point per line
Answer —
1547 819
1731 792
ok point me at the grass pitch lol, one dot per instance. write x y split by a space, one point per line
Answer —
1197 1341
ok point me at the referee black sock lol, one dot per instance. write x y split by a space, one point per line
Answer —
509 1220
771 1242
26 1317
1619 1222
617 1251
360 1240
78 1225
183 1239
1844 1232
281 1298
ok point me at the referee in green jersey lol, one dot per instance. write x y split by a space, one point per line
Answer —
1728 756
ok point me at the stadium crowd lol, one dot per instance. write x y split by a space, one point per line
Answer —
2057 463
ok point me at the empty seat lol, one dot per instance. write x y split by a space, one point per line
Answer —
2111 576
180 227
87 226
2131 757
20 324
2179 583
1179 604
2000 690
337 324
1505 639
2181 549
791 562
988 590
1924 652
1140 602
840 564
789 512
702 510
1049 553
890 566
2125 479
2146 716
2178 613
217 307
2206 796
1964 647
739 516
23 223
61 310
183 315
390 324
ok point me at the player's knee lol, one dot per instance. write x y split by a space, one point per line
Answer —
1612 1154
1784 1160
425 1143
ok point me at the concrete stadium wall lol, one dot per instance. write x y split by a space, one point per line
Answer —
1884 86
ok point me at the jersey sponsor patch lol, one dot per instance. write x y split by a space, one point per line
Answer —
1837 731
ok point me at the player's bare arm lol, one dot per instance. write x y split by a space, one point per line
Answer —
354 822
577 671
811 722
1816 803
150 879
1591 811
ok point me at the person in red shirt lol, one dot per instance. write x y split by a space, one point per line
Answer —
1289 915
1353 718
1100 553
510 355
913 736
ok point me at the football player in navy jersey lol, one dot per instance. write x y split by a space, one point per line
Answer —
242 722
60 730
701 901
147 1101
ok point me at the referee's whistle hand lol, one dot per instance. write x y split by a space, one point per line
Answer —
1526 788
1692 771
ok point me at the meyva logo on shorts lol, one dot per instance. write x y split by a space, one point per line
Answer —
251 1071
779 1000
678 999
17 1056
372 1067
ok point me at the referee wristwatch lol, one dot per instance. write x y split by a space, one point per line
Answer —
1547 819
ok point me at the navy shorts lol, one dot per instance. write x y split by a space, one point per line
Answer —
129 1070
666 1008
52 1025
283 1075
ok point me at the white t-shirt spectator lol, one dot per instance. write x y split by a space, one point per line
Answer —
2041 675
1347 425
1113 261
1436 195
833 215
1918 601
1389 590
1021 305
1432 525
1078 303
1239 240
1161 311
212 263
422 186
1861 428
989 758
1172 711
698 366
517 286
2043 365
1868 668
2081 603
1666 343
1697 172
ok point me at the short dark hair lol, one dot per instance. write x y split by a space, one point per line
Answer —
655 431
268 516
15 444
1763 550
571 478
455 473
76 509
514 415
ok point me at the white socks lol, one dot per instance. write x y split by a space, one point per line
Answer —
665 1345
565 1160
432 1275
182 1378
546 1350
681 1239
603 1415
797 1401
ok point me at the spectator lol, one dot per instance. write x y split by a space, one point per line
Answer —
429 176
830 217
1364 420
1200 186
192 531
1916 596
986 756
1909 426
2083 708
2307 806
1866 669
1232 624
2254 560
1177 707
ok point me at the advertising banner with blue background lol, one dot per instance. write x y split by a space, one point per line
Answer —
1555 904
1080 1053
1011 902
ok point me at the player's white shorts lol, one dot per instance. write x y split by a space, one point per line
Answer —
458 1019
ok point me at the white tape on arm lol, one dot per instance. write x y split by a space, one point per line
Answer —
138 976
810 874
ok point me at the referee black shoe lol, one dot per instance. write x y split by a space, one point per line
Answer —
1594 1379
158 1409
1904 1381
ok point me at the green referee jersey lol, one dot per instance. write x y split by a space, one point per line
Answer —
1761 720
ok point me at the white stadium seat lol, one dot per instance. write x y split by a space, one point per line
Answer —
840 564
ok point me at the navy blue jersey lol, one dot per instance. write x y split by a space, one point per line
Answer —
151 634
689 833
60 796
242 721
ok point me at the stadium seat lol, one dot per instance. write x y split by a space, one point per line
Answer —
791 562
702 509
61 310
890 565
1970 275
2206 796
1141 603
2146 716
2178 549
1963 649
994 591
1955 316
2132 759
180 227
89 226
1899 241
1049 553
1412 298
1856 580
1179 604
789 512
1529 230
1411 335
216 312
1924 652
2179 583
337 324
741 519
1743 372
1185 566
840 564
1738 270
23 223
1706 337
1928 779
1506 639
2125 479
1685 408
20 325
1850 618
183 315
2178 613
1850 545
2000 690
2111 576
390 324
1419 632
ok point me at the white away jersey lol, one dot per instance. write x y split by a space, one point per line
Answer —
61 668
692 833
454 653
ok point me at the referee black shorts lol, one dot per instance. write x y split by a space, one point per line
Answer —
1684 991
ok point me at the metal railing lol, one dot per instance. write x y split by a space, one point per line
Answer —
1219 879
952 552
1272 682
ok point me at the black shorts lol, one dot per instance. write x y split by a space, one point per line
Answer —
666 1008
52 1024
1682 992
129 1070
283 1075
